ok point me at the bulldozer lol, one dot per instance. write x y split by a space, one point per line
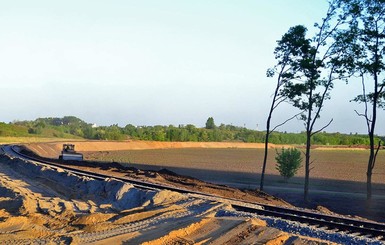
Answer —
69 153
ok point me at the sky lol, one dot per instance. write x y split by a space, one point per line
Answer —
152 62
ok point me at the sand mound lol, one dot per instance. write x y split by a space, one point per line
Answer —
165 197
93 219
110 191
44 205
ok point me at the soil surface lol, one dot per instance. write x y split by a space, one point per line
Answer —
165 176
338 175
40 204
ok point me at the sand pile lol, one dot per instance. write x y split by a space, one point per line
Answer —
40 204
38 201
118 194
110 191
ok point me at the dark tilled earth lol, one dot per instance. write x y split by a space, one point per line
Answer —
337 180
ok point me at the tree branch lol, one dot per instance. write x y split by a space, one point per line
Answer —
368 120
359 114
327 125
381 88
310 164
362 115
287 120
322 101
278 101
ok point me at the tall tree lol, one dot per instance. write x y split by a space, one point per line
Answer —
210 123
365 51
314 69
287 49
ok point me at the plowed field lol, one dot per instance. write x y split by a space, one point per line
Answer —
338 175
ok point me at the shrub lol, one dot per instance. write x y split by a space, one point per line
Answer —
288 162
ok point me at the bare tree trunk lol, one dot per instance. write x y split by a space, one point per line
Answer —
372 155
275 102
265 156
369 180
307 167
371 127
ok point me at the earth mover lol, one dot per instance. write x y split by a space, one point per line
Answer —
69 153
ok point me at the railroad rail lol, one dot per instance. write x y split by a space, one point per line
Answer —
327 222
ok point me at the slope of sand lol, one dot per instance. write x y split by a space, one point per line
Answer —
53 149
40 204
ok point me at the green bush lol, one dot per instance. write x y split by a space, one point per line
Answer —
288 162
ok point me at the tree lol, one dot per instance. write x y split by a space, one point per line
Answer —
314 68
287 48
365 50
210 123
288 162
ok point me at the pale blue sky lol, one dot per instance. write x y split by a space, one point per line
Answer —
152 62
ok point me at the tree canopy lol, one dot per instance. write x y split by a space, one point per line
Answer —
210 123
364 45
53 127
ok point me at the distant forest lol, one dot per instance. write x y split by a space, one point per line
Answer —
73 127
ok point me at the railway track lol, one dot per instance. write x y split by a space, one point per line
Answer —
336 224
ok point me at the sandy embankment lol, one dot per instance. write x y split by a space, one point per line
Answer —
52 149
53 206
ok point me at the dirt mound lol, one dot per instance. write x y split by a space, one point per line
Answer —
40 204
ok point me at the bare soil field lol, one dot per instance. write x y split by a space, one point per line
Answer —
338 174
342 163
42 205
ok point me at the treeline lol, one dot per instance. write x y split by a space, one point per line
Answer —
70 127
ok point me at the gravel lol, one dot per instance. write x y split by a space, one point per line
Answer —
306 230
